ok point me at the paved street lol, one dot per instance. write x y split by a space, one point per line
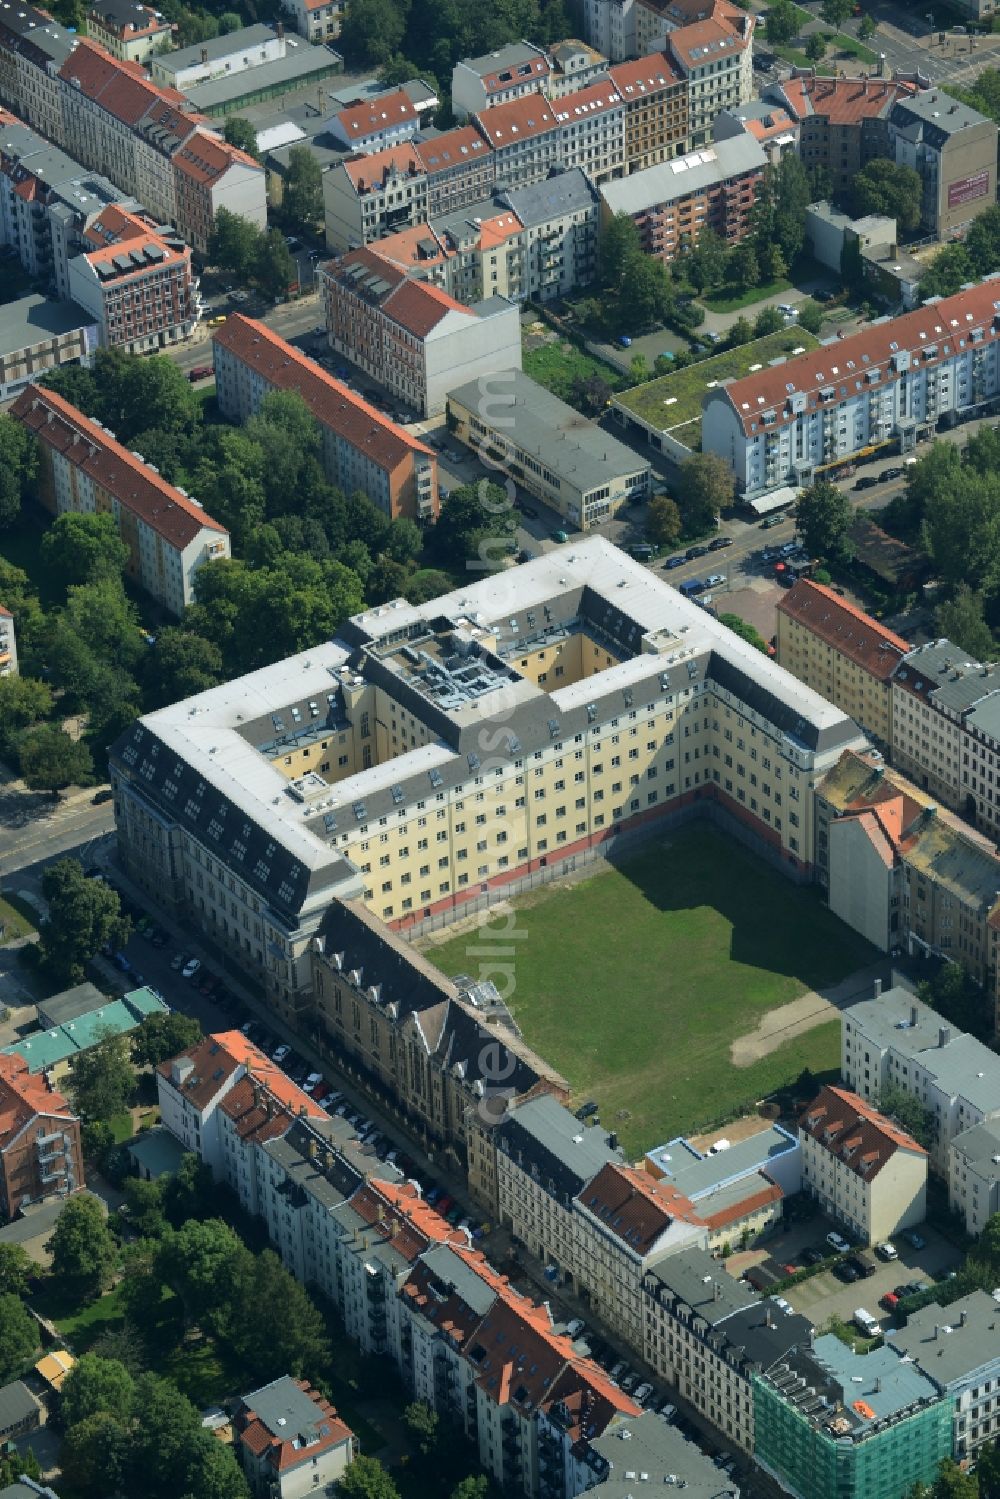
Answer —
35 830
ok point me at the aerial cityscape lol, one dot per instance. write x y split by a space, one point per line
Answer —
499 749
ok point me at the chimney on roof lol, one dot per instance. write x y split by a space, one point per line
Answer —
878 1384
913 1014
963 1317
944 1035
204 55
937 1329
878 988
279 29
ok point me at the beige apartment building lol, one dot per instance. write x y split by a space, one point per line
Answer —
624 1222
974 1176
862 1169
656 110
843 653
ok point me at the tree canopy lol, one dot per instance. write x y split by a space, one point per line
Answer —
102 1081
83 1251
886 187
19 1337
823 516
83 915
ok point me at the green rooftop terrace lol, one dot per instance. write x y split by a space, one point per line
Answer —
677 398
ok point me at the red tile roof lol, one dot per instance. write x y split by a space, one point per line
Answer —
285 1452
115 227
706 42
596 99
644 76
370 117
122 88
849 364
414 305
369 173
454 148
497 81
103 459
636 1207
855 1131
843 101
517 120
870 645
23 1096
254 1115
329 400
403 1217
216 1058
204 158
766 1193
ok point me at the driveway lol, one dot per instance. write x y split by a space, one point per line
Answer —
825 1296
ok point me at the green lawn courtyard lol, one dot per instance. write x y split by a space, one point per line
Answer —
634 981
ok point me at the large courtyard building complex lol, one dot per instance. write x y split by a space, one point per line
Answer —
433 758
888 383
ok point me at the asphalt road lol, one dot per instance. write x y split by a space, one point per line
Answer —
29 840
290 319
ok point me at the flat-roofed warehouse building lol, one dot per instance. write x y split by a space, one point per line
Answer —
434 758
565 459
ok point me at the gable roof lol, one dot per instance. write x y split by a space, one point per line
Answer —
121 88
841 101
110 465
452 148
203 158
705 42
367 117
24 1096
644 76
842 625
329 400
202 1072
634 1206
368 172
848 1127
288 1423
518 120
414 305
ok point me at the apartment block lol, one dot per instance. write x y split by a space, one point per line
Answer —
904 872
40 1152
863 1170
896 1041
538 242
460 168
830 1423
736 1186
130 31
592 129
8 644
84 467
843 122
707 1333
573 465
890 382
715 57
159 135
218 57
953 149
544 1159
368 197
428 1049
386 119
625 1222
956 1348
210 174
526 138
32 48
512 72
671 203
656 110
845 654
38 335
361 448
974 1176
102 102
412 338
610 26
574 64
290 1441
319 21
413 728
770 126
135 281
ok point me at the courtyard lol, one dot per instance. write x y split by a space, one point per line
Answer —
635 981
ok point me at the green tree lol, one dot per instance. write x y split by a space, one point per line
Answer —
23 701
476 522
950 268
367 1479
423 1425
705 264
740 333
768 320
49 759
133 387
663 521
162 1036
744 267
809 315
823 516
744 630
988 1471
18 1337
836 12
18 1465
202 1263
620 246
909 1113
782 23
816 46
302 199
102 1080
93 1455
144 1200
18 467
96 1384
234 244
294 1344
189 1192
792 195
372 32
896 191
952 1483
15 1270
988 1247
161 1443
957 997
476 1486
81 547
180 665
961 528
212 1471
867 27
274 269
962 620
241 134
83 914
706 488
83 1251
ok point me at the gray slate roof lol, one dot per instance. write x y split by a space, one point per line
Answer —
950 1344
286 1410
17 1404
653 1447
699 1281
33 320
566 192
302 62
215 47
962 1067
672 179
980 1146
568 1154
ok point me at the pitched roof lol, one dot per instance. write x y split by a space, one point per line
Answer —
453 148
848 629
517 120
847 1126
497 69
103 459
370 172
842 101
414 305
328 399
644 76
636 1207
868 358
121 88
398 1212
289 1423
585 103
147 250
204 158
208 1066
705 41
23 1096
368 117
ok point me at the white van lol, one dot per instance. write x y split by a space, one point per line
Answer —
866 1323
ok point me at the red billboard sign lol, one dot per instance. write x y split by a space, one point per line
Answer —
967 189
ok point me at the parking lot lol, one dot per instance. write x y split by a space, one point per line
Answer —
826 1296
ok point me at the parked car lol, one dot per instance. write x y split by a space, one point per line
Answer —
715 580
624 341
560 536
643 1395
890 1301
191 968
786 308
311 1082
887 1251
693 553
868 482
575 1327
629 1383
618 1370
847 1272
788 547
673 562
104 795
813 1256
889 474
280 1053
201 372
718 542
771 520
529 511
838 1242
